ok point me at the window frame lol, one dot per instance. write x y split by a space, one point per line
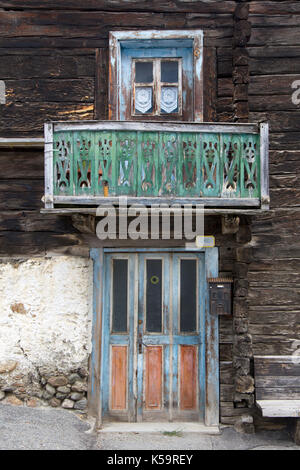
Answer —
156 86
115 42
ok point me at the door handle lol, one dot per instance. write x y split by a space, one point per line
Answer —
141 344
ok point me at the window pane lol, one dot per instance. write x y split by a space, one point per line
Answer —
143 72
169 99
154 296
143 100
169 71
188 295
119 311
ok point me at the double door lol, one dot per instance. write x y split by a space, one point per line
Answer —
153 340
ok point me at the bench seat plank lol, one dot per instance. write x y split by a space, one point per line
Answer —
279 408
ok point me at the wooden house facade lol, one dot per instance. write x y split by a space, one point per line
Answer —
172 102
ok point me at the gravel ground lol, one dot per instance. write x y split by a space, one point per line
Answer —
228 440
51 429
43 429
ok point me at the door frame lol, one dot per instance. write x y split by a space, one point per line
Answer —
211 331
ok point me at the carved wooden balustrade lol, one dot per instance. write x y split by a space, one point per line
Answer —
212 164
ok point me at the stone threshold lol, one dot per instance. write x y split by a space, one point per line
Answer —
160 427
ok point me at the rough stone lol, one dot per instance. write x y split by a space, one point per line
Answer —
32 402
68 404
64 389
81 404
242 345
245 424
83 372
240 325
243 400
57 381
2 395
51 390
79 387
241 365
18 308
73 378
13 400
8 389
46 395
7 366
244 384
61 396
240 307
76 396
54 402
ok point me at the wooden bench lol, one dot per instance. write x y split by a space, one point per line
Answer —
277 387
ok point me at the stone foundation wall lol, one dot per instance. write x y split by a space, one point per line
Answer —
45 331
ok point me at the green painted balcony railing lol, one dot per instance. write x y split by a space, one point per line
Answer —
147 160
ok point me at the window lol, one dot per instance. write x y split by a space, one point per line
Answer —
156 86
156 75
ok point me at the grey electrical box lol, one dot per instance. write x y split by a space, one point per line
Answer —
220 296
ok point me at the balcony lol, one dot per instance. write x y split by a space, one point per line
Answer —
219 165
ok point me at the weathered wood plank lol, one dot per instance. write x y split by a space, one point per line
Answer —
50 90
226 373
272 36
37 243
101 84
41 66
273 8
276 359
274 84
278 393
59 44
123 5
232 128
274 51
284 121
12 194
22 118
87 24
212 202
279 408
33 221
286 382
272 103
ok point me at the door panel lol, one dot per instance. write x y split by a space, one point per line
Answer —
188 377
118 346
153 377
153 337
119 380
153 329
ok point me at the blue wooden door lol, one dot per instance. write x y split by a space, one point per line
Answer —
153 366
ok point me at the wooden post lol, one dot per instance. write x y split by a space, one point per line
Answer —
297 432
48 130
264 165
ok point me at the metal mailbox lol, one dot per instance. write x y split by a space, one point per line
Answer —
220 296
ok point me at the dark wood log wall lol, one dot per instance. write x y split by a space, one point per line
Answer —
274 276
54 63
53 58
